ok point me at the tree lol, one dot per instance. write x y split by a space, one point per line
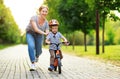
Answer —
72 15
77 16
9 31
105 6
53 12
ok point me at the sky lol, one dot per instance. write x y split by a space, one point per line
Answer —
117 13
22 10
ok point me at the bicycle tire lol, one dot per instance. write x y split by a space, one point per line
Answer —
59 65
55 68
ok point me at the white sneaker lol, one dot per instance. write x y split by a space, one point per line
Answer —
33 68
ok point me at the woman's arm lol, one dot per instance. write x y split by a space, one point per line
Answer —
47 31
36 28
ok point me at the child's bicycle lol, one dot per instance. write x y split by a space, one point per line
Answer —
57 60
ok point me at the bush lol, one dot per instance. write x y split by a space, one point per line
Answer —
91 38
23 39
77 38
117 36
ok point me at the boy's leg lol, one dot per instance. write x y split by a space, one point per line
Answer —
52 57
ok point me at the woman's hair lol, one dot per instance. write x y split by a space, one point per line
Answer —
43 6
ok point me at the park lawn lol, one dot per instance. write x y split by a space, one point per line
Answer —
2 46
111 54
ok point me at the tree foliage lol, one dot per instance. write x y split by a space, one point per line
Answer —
81 14
53 13
106 6
9 31
76 15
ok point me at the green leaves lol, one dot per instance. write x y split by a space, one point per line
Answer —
74 14
80 14
9 31
114 17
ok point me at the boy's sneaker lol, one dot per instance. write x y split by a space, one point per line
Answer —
51 68
32 67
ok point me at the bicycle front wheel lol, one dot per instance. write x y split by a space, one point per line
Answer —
59 65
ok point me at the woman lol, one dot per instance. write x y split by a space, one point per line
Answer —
35 31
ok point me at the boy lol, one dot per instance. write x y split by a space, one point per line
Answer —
54 37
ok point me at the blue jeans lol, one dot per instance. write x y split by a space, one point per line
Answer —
35 42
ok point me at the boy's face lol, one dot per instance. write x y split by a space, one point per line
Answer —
54 29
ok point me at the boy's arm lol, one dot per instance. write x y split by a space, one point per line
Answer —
64 39
47 41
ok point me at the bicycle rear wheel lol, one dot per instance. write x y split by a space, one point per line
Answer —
59 65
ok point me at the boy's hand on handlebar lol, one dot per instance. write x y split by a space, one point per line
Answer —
48 43
66 42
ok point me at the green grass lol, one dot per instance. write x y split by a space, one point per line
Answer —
2 46
112 53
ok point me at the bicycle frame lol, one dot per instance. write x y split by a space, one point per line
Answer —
57 55
57 60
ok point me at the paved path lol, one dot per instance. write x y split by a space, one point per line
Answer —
14 64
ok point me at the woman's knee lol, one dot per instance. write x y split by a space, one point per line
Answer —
30 45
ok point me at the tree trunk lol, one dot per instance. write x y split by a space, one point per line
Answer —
103 34
85 41
67 38
73 44
97 32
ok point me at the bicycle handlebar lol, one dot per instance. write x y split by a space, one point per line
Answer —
66 43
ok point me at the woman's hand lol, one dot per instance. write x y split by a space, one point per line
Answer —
46 34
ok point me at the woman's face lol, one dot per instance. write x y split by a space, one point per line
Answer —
44 12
